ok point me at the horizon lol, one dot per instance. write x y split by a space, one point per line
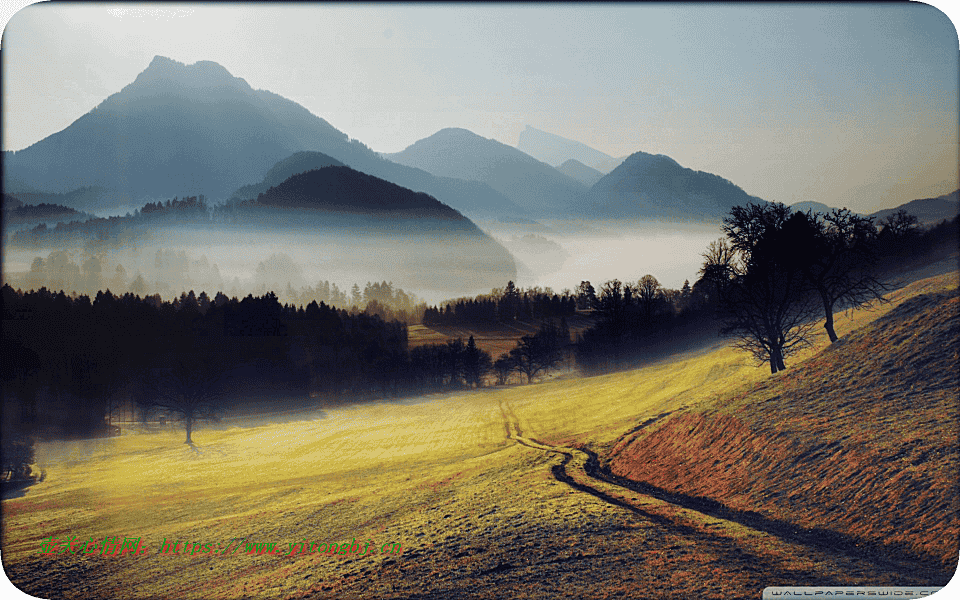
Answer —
865 96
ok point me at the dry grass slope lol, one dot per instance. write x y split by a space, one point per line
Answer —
860 439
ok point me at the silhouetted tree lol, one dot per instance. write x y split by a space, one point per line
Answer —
649 296
586 296
535 354
190 391
764 298
476 364
839 252
504 367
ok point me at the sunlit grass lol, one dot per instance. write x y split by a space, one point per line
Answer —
438 472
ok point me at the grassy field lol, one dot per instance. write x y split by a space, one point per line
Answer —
488 492
496 339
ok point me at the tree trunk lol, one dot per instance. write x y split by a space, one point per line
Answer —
828 325
189 424
776 359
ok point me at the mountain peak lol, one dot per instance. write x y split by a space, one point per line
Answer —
203 73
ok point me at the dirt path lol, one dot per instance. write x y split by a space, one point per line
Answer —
750 541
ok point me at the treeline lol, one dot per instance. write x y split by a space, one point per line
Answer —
115 231
502 306
69 362
174 271
638 320
777 274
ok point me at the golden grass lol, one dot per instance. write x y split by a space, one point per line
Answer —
860 438
476 513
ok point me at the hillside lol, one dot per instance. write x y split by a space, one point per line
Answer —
581 172
342 189
298 162
535 186
490 493
929 211
555 150
858 443
655 186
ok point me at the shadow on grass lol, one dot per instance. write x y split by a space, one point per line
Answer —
924 570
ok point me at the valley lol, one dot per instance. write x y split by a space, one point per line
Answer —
308 301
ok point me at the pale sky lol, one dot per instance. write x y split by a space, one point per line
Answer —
850 104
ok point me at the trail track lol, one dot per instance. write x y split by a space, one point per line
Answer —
747 538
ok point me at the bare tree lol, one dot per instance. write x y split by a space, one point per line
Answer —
504 367
763 296
535 354
841 251
190 392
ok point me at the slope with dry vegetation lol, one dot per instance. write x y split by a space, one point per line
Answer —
860 440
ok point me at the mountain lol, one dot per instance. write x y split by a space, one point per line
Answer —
195 129
929 211
581 172
655 186
409 236
458 153
817 207
342 189
81 199
299 162
177 128
556 150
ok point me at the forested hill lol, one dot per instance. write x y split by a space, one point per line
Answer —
298 162
654 185
343 189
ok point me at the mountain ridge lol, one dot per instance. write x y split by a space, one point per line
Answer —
459 153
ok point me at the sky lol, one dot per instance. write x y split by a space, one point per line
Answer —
851 105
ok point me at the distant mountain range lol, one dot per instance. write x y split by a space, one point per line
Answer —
817 207
533 185
188 129
929 211
555 150
195 129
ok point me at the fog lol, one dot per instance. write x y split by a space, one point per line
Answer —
598 251
556 254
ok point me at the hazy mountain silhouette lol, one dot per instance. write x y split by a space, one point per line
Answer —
655 186
928 211
11 202
176 128
428 243
462 154
817 207
555 150
581 172
81 199
188 129
342 189
299 162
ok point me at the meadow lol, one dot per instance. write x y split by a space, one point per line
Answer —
489 493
